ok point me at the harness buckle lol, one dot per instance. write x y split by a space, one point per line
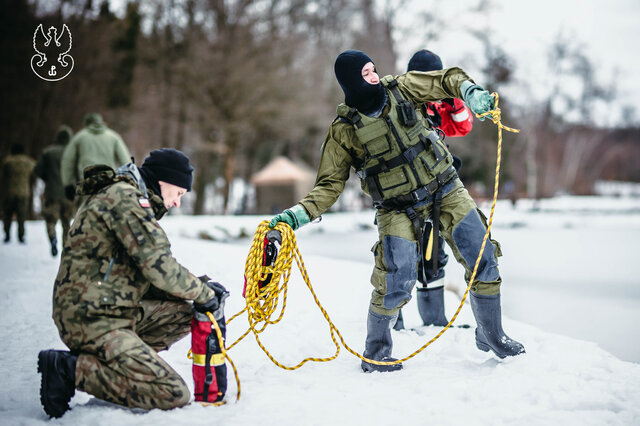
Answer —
419 194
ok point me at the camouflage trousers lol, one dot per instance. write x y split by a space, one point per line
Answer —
54 210
123 366
19 206
462 226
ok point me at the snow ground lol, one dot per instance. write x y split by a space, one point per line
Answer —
567 270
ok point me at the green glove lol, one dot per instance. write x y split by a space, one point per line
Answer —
478 99
295 217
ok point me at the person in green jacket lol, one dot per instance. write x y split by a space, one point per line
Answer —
56 205
95 144
120 296
407 170
17 180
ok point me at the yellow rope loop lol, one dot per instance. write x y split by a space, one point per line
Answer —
224 352
261 303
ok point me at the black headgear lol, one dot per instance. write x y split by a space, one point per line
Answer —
359 94
167 165
424 60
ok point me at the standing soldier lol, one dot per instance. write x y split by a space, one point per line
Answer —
95 144
454 119
56 205
17 179
407 170
120 296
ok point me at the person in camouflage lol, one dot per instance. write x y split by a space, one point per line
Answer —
408 171
17 180
119 296
95 144
56 205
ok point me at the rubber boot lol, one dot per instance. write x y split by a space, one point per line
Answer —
489 333
378 344
54 246
399 325
431 306
58 383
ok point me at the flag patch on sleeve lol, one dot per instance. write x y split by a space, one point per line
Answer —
144 202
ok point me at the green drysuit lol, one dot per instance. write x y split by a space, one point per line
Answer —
462 225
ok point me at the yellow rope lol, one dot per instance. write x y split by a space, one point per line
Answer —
261 303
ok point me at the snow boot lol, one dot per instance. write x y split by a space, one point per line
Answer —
54 246
489 333
378 344
58 383
431 306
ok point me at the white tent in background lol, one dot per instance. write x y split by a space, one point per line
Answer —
281 184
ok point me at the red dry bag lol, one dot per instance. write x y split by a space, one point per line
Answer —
209 369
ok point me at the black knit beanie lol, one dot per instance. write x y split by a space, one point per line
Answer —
424 60
167 165
366 98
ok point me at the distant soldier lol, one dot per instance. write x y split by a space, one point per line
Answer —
17 179
95 144
56 205
119 296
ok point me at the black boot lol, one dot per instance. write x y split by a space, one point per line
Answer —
431 306
399 325
58 384
489 333
378 344
54 246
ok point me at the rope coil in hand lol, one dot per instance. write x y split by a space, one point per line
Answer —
261 303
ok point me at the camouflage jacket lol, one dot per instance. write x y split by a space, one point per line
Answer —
114 255
342 150
16 175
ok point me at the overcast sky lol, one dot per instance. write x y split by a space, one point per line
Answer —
609 30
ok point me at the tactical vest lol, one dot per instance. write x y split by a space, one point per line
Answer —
405 160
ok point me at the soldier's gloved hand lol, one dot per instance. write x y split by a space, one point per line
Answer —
215 305
70 192
478 99
295 217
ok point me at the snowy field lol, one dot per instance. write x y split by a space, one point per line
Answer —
571 295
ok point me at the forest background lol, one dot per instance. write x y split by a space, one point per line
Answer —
235 83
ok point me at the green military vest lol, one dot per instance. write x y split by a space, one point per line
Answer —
403 155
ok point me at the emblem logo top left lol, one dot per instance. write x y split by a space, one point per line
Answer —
52 61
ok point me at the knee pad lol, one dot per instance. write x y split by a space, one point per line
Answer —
467 236
401 257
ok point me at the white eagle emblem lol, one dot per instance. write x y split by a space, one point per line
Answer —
52 61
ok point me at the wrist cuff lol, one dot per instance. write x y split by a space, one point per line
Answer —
466 88
302 218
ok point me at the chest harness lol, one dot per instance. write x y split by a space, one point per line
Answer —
405 163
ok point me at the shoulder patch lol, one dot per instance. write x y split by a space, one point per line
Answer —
144 203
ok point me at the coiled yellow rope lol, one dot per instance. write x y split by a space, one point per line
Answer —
261 303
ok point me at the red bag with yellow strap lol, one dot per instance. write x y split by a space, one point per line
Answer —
209 369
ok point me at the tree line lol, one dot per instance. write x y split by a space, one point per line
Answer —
234 83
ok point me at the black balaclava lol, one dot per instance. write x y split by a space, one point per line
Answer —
424 60
167 165
366 98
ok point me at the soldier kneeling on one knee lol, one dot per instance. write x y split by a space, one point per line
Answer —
120 296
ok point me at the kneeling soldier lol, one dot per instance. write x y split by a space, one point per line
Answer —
120 296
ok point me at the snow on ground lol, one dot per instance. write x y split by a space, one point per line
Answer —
567 270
